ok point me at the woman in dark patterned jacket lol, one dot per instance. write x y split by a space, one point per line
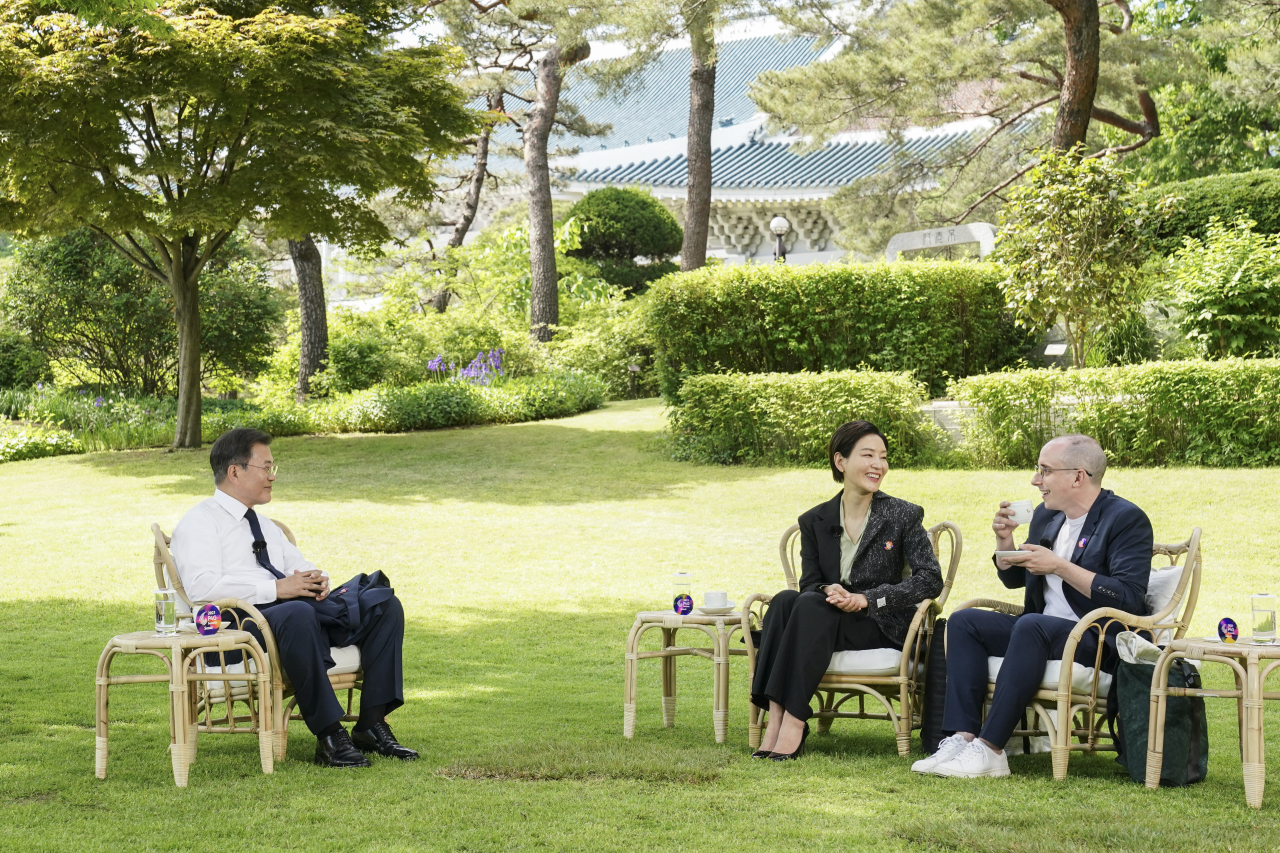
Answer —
854 592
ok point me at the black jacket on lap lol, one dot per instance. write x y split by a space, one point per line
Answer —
893 540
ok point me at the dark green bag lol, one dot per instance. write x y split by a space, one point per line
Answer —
1186 729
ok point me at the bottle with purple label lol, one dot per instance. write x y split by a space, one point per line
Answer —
681 593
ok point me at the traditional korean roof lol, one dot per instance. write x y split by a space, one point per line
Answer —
775 163
649 122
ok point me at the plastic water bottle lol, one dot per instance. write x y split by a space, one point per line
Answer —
681 595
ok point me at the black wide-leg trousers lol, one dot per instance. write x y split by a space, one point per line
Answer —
304 645
800 633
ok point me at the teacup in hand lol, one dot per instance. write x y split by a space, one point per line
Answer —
715 599
1021 512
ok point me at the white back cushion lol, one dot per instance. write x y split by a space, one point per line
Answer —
1161 585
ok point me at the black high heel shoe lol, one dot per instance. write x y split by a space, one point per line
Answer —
791 756
761 753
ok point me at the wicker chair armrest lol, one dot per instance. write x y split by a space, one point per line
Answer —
992 604
268 639
1129 620
915 633
756 597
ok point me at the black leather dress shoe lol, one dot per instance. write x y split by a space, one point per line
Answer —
379 739
337 750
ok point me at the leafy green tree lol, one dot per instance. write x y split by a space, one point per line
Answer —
1073 239
102 320
21 364
1228 289
1023 67
1206 133
165 145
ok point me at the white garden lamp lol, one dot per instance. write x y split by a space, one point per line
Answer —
779 226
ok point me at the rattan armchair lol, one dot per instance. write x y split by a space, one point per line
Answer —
346 675
1072 709
905 686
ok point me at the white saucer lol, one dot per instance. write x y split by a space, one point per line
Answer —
717 611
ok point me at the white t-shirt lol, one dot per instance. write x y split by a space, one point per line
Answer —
1055 602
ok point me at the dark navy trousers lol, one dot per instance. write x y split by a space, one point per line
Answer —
304 653
1026 643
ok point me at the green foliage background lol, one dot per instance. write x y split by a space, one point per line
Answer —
102 321
1252 195
1227 288
934 319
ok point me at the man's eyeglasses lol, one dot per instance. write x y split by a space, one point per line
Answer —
270 469
1045 470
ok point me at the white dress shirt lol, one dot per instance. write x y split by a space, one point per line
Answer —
213 549
1055 602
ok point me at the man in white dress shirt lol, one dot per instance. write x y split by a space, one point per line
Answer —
224 549
1094 550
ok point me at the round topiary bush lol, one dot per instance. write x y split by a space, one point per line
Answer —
621 224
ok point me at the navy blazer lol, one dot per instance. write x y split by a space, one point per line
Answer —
1115 543
893 540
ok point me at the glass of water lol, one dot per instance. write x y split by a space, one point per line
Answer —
166 612
1263 605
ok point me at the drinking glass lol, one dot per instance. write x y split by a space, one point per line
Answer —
166 612
1263 605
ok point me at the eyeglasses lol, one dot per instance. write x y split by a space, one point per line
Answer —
1045 470
270 469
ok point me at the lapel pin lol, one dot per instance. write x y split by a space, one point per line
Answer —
888 546
1084 540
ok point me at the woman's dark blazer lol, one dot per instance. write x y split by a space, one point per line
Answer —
893 539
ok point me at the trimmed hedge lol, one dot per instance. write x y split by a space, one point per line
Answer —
1255 195
788 418
935 319
1211 413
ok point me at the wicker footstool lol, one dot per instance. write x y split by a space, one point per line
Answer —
192 688
719 628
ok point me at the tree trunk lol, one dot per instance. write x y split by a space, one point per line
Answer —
472 203
702 107
544 301
185 287
1080 77
312 311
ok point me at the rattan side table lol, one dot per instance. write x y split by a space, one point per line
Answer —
1246 660
189 690
719 627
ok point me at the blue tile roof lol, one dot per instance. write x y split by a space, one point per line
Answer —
771 164
657 107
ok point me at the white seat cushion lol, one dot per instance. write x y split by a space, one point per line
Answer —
1081 676
866 662
345 659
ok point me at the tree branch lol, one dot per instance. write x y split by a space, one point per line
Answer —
993 191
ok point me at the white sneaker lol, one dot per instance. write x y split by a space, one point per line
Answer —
947 749
974 761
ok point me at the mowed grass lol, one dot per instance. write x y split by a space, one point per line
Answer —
522 554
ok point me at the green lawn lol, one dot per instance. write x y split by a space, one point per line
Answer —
522 554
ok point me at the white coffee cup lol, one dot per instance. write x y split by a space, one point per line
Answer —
715 599
1021 511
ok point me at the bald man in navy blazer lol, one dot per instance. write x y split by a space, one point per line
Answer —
1086 548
